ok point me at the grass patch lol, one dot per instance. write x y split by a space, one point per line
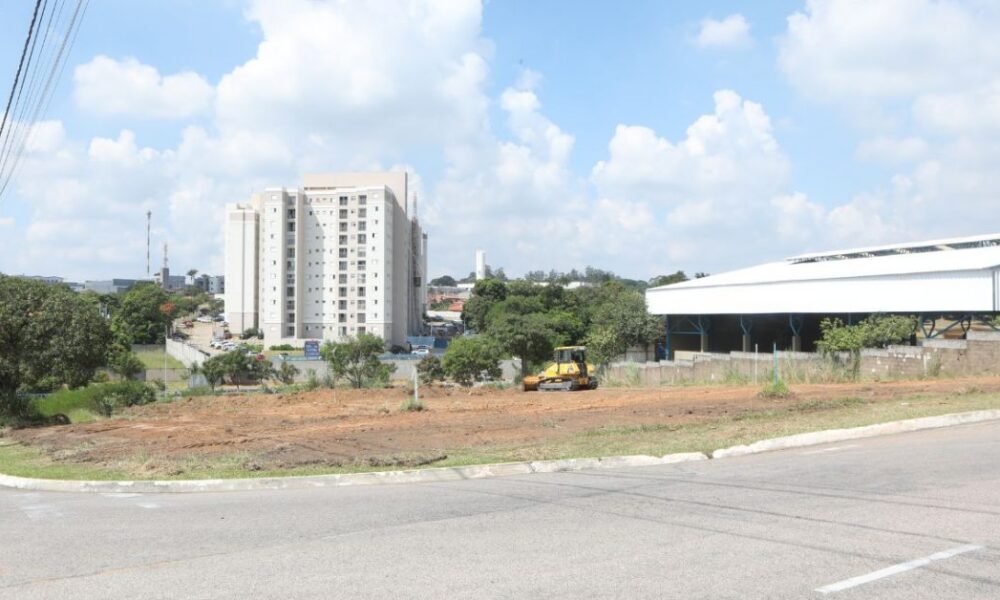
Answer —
775 389
654 439
153 359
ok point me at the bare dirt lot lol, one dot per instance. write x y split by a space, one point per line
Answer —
336 428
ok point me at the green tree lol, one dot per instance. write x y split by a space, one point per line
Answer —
676 277
485 294
604 345
444 281
529 337
213 370
356 360
620 320
472 359
141 318
876 331
48 334
430 370
124 363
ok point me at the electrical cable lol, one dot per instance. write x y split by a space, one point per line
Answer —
45 98
20 64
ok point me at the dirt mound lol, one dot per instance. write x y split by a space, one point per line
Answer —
367 428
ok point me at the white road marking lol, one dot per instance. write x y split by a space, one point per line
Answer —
831 449
148 505
896 569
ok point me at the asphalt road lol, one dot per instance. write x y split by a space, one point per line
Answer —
908 516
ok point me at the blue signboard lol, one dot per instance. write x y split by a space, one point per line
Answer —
311 348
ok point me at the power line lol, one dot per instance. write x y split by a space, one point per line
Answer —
13 158
20 64
18 110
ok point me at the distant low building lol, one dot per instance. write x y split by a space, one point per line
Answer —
210 284
112 286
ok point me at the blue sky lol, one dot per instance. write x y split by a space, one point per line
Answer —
641 137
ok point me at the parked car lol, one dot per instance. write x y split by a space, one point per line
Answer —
204 319
421 352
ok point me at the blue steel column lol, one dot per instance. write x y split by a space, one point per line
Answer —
795 324
666 344
746 324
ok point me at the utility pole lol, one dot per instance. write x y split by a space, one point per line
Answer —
149 217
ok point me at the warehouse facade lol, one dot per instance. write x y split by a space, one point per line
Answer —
948 284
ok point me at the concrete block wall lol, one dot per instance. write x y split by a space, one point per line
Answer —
978 354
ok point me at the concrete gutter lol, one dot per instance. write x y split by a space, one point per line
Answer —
442 474
840 435
372 478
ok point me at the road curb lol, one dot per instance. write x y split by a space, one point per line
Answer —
442 474
439 474
854 433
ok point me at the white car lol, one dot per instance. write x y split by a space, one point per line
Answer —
204 319
421 352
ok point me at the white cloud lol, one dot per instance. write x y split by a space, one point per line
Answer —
849 51
364 78
892 151
919 81
731 32
110 87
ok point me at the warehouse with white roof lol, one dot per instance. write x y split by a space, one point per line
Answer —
782 303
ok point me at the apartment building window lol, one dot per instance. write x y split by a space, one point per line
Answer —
342 291
291 316
342 304
289 252
343 253
290 330
291 213
289 264
291 227
343 226
361 277
361 330
361 236
361 304
290 291
361 292
290 279
343 200
343 213
343 278
362 213
343 265
362 200
343 331
343 240
341 318
361 265
290 304
362 226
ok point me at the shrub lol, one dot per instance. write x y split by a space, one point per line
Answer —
109 397
430 370
877 331
251 332
311 381
287 373
775 389
284 348
471 359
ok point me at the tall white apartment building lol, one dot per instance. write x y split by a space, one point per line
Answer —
338 257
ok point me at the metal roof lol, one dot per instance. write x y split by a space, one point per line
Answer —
958 274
